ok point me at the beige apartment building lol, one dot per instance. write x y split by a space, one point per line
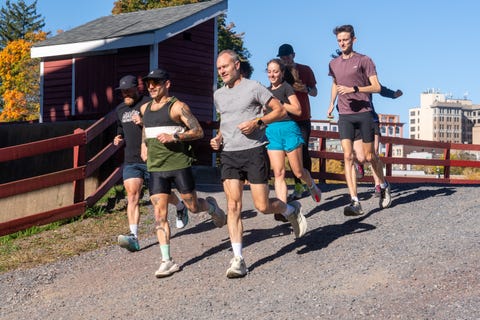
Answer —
440 118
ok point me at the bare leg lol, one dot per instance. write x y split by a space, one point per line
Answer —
234 191
277 163
160 207
347 147
263 203
296 164
133 188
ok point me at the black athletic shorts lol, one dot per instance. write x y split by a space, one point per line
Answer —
161 182
376 130
252 165
348 123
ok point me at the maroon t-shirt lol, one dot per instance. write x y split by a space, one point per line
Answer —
354 71
308 78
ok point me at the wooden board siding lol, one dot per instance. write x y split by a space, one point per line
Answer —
96 78
94 89
134 61
57 93
189 58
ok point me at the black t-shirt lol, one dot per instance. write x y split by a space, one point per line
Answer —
131 133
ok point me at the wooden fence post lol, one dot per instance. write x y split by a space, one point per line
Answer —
446 169
79 159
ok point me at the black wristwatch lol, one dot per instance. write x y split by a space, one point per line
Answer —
355 89
176 137
260 122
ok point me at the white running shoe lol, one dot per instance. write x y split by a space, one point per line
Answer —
167 268
238 268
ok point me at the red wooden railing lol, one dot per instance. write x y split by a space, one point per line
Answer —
389 160
83 168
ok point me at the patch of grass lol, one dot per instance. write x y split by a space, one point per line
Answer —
98 227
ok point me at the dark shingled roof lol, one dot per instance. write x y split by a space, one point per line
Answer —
128 24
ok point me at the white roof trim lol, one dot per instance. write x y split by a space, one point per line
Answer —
142 39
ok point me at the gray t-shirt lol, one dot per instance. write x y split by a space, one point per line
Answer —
235 105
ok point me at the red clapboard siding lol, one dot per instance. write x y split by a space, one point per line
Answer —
134 61
94 76
57 93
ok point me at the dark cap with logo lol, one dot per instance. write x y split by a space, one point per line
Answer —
127 82
285 50
158 74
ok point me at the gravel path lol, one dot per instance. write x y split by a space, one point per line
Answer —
419 259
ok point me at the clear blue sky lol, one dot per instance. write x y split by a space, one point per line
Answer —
416 45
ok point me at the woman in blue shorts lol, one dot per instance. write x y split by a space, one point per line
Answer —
284 136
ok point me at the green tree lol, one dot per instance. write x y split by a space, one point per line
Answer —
17 20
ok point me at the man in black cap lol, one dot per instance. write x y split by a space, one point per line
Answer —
129 130
305 85
168 127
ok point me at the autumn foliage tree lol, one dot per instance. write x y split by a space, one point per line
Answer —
19 78
20 27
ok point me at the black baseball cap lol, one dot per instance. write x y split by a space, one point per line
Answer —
127 82
158 74
284 50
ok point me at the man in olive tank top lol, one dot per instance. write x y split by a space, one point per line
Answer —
168 124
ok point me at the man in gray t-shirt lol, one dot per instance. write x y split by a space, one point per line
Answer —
244 157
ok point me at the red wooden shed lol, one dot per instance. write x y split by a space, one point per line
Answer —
81 67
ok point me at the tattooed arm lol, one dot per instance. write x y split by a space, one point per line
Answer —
143 147
180 112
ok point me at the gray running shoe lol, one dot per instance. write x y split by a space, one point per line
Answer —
218 215
167 268
353 209
297 220
385 197
315 192
129 242
182 218
237 269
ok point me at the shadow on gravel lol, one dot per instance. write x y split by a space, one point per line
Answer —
401 194
405 194
320 238
208 225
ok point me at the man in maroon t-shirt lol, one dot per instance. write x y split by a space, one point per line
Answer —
354 80
305 85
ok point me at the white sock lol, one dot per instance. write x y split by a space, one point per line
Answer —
134 229
383 185
237 249
180 206
355 199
